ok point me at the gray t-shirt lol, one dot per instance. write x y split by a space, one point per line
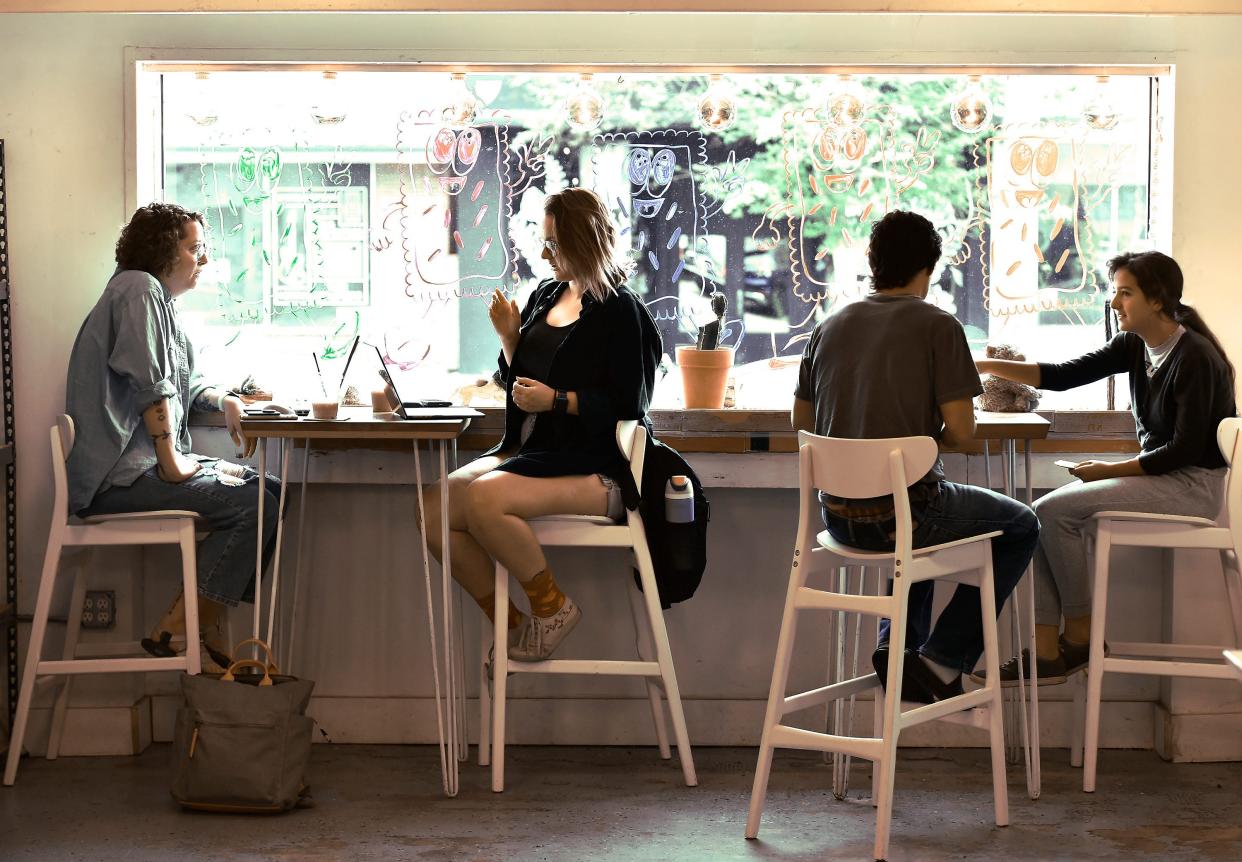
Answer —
881 367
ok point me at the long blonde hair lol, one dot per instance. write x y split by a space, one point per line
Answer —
587 237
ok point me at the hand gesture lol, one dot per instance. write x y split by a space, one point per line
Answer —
531 396
233 412
505 317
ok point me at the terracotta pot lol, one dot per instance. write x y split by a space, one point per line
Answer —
704 374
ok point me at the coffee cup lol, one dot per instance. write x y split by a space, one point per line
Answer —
324 409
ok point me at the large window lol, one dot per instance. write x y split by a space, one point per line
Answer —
390 204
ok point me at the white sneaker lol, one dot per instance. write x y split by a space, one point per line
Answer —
515 637
542 635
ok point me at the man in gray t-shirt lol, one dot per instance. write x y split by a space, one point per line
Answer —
893 365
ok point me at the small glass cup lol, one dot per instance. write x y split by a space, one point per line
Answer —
324 409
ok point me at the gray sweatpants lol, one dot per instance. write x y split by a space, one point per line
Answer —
1062 574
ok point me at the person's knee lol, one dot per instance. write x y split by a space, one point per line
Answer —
1026 523
482 502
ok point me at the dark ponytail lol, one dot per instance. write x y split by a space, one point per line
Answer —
1160 279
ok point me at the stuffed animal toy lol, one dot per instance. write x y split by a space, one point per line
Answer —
1005 396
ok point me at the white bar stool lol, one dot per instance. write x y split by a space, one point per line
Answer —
861 469
1148 530
169 527
659 674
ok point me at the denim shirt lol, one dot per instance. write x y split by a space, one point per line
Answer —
130 352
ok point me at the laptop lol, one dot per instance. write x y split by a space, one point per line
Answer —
422 409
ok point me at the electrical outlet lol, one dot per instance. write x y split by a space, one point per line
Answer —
99 609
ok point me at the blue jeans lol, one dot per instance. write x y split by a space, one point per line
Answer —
231 510
956 512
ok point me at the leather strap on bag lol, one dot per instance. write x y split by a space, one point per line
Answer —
247 662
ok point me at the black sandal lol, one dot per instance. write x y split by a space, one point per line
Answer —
161 648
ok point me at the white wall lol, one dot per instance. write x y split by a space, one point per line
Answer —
61 80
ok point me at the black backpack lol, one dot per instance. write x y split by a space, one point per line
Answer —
678 552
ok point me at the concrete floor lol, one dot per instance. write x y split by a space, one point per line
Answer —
384 802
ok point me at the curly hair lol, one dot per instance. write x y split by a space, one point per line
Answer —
149 242
903 244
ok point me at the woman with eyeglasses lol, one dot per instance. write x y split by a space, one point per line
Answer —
577 359
132 382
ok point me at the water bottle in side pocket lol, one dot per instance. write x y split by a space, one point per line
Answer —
679 516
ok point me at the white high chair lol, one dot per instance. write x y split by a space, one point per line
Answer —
168 527
862 469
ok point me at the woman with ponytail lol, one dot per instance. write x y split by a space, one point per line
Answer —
1181 387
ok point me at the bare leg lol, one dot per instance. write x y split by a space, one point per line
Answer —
498 504
472 567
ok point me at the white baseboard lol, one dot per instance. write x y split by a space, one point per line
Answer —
94 731
1198 738
549 721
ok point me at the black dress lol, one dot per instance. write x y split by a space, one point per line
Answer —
608 358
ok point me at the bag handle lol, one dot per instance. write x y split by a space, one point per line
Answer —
271 662
247 662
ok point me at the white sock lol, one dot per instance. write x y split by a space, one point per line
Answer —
943 673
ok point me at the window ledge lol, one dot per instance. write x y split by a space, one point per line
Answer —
741 431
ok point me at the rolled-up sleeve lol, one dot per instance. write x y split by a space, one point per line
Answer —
140 353
633 352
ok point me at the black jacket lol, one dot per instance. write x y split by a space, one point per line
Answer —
609 359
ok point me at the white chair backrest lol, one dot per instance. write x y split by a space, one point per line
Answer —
632 441
63 434
859 469
1229 439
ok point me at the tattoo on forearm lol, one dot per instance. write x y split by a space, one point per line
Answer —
163 435
207 400
160 415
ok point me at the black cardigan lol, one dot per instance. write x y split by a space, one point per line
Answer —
1176 410
609 359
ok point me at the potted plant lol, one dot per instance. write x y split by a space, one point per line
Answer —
705 366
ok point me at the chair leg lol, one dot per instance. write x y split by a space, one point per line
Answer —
1095 666
887 764
1078 718
991 659
73 629
877 707
664 655
646 649
500 675
1232 569
485 699
51 562
1034 778
776 696
189 583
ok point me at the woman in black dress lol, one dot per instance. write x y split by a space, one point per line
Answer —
577 359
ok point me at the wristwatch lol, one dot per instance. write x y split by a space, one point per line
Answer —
560 401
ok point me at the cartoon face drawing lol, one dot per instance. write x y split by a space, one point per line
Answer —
843 172
256 173
1037 254
455 205
658 205
840 178
650 176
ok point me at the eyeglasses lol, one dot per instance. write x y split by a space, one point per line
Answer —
552 246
